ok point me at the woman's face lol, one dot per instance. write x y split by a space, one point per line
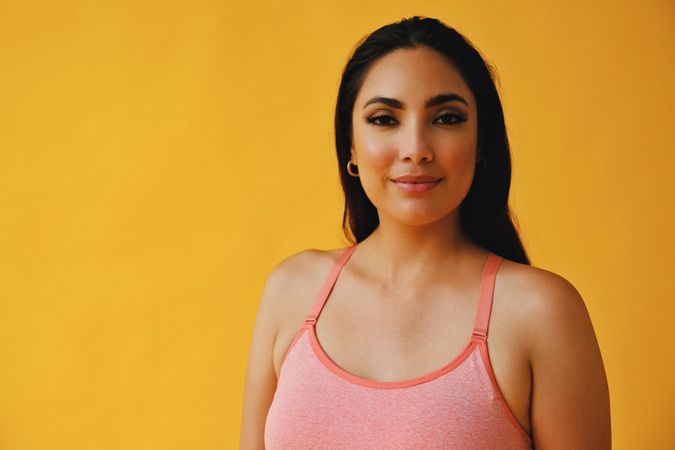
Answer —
426 125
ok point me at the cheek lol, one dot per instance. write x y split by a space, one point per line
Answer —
468 167
375 166
459 157
466 149
462 168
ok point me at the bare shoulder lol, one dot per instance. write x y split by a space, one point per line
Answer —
293 280
547 302
570 396
289 293
283 300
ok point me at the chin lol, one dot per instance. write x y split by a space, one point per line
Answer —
419 218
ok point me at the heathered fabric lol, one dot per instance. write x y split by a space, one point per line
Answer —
319 405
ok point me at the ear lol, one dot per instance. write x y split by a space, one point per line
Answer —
353 157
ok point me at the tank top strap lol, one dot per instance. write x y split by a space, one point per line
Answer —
328 284
487 286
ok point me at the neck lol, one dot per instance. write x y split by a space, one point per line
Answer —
408 257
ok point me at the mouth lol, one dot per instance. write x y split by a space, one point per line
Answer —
417 186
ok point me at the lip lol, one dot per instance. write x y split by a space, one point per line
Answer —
416 183
416 179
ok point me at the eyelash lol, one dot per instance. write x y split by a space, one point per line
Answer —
458 118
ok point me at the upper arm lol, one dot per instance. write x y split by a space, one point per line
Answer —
261 378
570 396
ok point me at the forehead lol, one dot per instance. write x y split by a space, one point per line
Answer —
412 75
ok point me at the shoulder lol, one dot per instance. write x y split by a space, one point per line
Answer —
570 397
292 283
303 267
282 293
548 304
540 289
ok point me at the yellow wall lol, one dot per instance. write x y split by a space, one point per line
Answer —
158 158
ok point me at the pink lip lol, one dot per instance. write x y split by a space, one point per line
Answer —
416 179
415 187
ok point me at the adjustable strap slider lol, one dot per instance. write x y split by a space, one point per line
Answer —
310 320
476 334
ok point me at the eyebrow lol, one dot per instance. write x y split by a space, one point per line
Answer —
433 101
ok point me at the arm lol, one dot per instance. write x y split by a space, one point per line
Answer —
261 378
570 397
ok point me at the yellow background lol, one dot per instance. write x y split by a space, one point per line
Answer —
158 158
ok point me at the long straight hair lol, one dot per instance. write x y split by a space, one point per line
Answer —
484 212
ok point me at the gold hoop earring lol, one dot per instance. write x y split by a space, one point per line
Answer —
349 169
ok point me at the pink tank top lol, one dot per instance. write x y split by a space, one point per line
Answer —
319 405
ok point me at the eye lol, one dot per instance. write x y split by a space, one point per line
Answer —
374 119
452 118
386 120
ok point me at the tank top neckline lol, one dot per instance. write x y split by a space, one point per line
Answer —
478 335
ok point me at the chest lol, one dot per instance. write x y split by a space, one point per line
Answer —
395 340
389 340
317 406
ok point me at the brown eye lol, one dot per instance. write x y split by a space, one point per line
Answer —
452 118
374 120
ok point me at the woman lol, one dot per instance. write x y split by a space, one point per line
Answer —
431 330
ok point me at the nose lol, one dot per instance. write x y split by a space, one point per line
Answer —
415 145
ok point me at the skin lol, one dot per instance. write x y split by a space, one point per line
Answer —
416 277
